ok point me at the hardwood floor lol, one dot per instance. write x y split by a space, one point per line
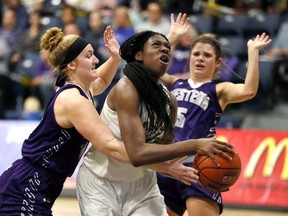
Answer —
68 206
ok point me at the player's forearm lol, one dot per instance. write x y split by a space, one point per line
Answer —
108 69
251 83
172 37
156 153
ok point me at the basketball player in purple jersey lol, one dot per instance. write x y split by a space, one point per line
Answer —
200 104
53 150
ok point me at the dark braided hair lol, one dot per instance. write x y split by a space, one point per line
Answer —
154 97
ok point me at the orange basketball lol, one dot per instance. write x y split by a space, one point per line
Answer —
216 178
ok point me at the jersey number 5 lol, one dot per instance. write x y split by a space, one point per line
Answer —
180 117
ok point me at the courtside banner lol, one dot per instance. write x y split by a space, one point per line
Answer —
264 176
12 135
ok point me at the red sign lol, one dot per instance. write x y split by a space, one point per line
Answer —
264 176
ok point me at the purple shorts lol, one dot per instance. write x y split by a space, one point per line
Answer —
26 189
175 193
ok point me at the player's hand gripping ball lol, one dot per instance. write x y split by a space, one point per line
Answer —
214 178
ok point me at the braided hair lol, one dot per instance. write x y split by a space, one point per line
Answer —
153 96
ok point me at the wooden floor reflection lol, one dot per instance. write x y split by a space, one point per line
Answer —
68 206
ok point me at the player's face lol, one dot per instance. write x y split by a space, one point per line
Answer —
86 64
156 55
203 61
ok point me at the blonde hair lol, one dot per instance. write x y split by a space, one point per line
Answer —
57 44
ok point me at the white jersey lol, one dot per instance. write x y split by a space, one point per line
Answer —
107 167
110 187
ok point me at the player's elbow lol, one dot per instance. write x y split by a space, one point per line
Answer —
250 94
139 159
247 94
136 162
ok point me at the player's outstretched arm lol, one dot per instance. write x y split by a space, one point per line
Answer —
234 93
107 71
178 27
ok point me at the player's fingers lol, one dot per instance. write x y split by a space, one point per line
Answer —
224 143
194 176
223 146
179 18
190 170
185 182
190 178
263 35
183 18
214 160
180 160
172 18
224 155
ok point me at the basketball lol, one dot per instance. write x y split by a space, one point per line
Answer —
215 178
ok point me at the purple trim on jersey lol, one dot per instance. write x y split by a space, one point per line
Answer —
50 145
50 154
198 110
28 190
197 115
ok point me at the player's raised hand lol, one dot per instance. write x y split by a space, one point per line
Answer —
178 27
259 42
111 43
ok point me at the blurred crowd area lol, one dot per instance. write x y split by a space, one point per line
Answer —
27 80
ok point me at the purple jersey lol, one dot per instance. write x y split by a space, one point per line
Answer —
50 154
197 116
198 109
50 145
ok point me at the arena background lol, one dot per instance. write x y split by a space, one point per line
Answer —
258 128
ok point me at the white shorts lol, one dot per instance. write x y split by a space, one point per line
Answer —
103 197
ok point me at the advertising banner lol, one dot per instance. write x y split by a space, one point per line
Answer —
264 175
12 135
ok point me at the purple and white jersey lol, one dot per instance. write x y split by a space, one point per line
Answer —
198 109
197 115
50 154
49 145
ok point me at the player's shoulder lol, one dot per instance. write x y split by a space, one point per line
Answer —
180 83
124 90
124 82
70 97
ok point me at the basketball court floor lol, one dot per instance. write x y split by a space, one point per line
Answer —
67 206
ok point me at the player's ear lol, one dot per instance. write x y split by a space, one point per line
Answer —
219 62
72 65
139 56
